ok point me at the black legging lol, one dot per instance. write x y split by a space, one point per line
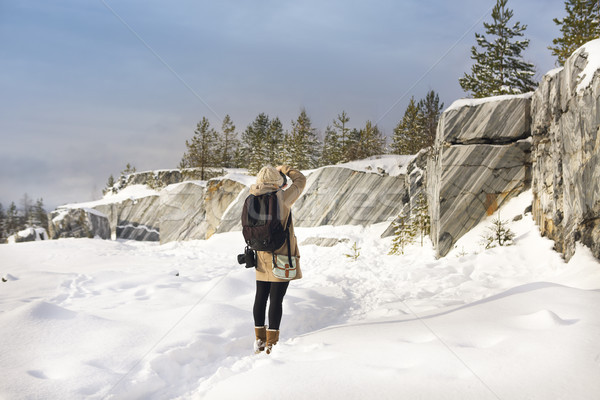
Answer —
276 291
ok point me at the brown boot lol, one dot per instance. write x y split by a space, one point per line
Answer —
261 338
272 339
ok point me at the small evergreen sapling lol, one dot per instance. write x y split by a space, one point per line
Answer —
421 220
498 234
404 234
355 252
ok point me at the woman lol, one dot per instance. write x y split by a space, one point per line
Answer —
268 286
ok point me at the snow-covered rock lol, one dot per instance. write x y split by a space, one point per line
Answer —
30 234
78 223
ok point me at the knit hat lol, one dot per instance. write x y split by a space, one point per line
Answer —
269 175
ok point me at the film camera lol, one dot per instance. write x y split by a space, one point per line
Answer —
248 258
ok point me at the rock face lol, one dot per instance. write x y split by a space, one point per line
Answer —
78 223
481 158
136 219
190 211
341 196
566 154
183 211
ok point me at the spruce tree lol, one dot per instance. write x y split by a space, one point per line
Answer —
341 126
373 140
421 219
579 26
353 149
499 67
404 233
430 109
40 215
129 169
303 143
27 208
274 142
409 135
12 219
3 234
228 144
254 143
109 184
332 147
202 150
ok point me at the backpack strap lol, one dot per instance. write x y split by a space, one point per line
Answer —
289 246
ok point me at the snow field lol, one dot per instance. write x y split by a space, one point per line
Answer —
94 319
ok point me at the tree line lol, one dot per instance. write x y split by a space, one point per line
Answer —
14 219
264 141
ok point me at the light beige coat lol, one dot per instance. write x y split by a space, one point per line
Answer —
286 198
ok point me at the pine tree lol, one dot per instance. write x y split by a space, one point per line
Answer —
498 234
3 234
228 144
332 147
404 233
109 184
430 109
581 25
341 126
12 219
40 215
303 143
286 154
353 150
373 139
366 142
274 142
254 144
355 252
409 135
499 67
129 169
421 219
202 151
27 208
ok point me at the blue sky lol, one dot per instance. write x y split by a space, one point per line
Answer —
82 95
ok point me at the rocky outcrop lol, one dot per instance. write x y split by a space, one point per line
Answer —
566 155
190 211
135 219
481 158
30 234
78 223
183 211
341 196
